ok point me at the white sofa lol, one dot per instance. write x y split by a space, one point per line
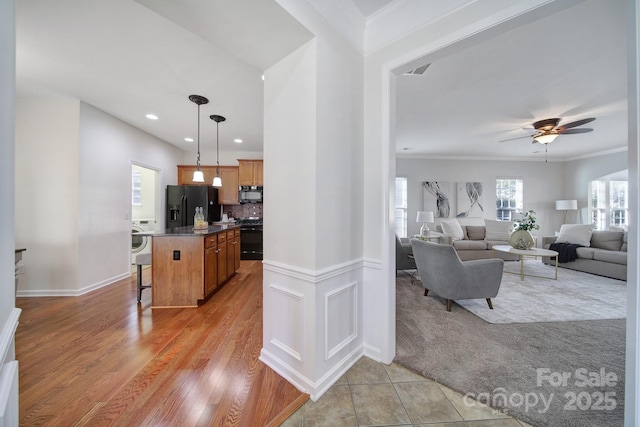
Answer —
474 241
605 255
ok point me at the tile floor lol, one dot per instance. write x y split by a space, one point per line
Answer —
374 394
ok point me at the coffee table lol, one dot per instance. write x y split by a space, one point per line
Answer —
533 252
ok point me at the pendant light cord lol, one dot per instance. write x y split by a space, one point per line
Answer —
198 158
217 148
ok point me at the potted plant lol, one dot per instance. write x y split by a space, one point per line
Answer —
521 237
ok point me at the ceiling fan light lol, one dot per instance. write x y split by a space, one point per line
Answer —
546 138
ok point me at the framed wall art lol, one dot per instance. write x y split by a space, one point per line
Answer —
469 198
437 197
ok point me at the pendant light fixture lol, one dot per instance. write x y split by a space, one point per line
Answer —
217 181
198 176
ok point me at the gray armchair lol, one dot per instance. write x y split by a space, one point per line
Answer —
403 250
442 272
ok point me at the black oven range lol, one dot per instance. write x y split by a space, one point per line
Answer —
250 238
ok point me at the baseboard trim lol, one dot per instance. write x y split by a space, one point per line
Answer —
316 389
71 292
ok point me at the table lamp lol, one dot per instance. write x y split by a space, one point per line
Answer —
566 205
424 217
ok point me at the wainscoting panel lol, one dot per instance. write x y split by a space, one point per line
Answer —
341 321
9 371
312 328
287 329
9 394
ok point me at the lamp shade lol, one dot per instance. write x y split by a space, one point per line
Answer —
217 181
425 216
546 138
198 176
566 205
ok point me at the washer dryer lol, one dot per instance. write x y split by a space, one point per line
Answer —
141 244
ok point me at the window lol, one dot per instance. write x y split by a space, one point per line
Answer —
509 198
136 191
401 206
609 204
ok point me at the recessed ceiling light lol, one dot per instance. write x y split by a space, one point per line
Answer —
189 139
237 140
152 117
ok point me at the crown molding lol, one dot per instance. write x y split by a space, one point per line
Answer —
387 25
403 17
345 17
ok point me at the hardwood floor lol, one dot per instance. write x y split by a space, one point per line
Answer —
102 359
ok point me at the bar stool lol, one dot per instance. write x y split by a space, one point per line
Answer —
142 259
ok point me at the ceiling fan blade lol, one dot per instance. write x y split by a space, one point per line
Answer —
513 139
574 131
576 123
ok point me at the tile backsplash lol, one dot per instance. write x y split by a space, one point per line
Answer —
243 211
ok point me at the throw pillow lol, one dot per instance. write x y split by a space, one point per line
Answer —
451 227
476 232
607 239
498 230
578 234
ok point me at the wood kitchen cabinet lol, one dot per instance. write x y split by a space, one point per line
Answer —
210 264
228 194
185 174
250 172
222 257
233 250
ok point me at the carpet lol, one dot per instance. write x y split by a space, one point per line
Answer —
574 296
546 373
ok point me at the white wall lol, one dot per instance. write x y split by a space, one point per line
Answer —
74 217
291 142
9 314
46 205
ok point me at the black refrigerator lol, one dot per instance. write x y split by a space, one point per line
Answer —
182 201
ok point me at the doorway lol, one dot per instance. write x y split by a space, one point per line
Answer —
144 208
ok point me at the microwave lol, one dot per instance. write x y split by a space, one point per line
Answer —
250 194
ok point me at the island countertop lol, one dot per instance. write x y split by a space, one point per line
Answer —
189 231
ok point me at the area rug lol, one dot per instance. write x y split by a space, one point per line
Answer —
574 296
547 373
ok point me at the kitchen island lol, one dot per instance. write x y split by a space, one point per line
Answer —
188 265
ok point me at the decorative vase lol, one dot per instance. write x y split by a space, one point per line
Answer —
521 239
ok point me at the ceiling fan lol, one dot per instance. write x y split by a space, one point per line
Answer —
547 130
